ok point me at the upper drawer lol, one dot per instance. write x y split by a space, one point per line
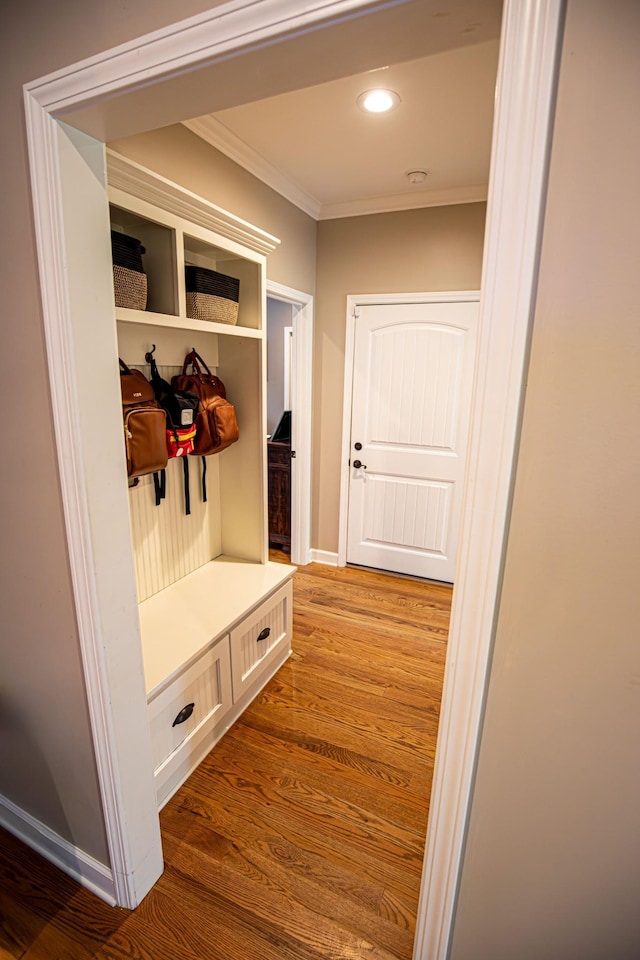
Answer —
205 685
260 638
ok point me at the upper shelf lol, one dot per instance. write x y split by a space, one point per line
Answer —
184 323
178 229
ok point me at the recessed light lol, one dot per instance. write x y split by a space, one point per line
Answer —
378 101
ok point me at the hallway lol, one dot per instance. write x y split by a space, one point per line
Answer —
300 837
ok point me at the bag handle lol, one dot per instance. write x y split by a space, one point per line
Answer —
124 368
193 358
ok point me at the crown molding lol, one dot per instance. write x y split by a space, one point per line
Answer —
220 137
217 135
403 201
132 178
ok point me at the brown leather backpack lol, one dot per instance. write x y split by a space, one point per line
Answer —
216 424
144 422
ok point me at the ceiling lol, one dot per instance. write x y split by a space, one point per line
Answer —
316 147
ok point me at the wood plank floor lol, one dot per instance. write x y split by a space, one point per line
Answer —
301 835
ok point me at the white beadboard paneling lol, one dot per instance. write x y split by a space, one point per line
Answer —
249 657
417 373
167 544
201 684
252 650
407 513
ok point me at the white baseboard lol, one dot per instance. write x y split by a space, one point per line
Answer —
77 864
324 556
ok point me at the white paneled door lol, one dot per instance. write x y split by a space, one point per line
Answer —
412 384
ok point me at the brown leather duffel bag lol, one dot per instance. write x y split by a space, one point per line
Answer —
216 423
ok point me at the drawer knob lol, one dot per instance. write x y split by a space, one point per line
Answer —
184 714
263 634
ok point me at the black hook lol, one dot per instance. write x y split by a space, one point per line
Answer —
149 355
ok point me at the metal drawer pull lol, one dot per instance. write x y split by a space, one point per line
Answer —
263 634
184 714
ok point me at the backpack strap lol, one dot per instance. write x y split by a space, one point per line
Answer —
160 485
187 493
204 479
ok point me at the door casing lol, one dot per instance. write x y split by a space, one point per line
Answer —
527 77
301 393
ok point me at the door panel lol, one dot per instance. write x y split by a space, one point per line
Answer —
413 372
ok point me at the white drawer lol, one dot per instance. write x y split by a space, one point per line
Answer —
251 656
202 693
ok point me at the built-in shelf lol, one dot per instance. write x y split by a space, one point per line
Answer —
214 627
126 315
178 623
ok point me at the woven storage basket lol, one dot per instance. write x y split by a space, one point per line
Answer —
129 278
130 288
211 295
126 251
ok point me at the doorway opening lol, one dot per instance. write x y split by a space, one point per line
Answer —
527 78
290 359
279 422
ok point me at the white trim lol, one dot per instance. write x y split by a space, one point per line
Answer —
217 135
129 821
302 405
48 216
521 138
287 349
189 44
354 301
214 132
327 557
521 141
88 872
136 180
403 201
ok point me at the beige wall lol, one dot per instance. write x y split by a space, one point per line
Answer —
418 250
181 156
552 869
439 248
47 765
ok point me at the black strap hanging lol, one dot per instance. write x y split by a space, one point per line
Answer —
160 485
204 480
187 493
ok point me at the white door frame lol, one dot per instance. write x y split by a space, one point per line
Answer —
301 389
529 56
354 301
287 352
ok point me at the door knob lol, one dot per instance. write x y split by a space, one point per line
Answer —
358 463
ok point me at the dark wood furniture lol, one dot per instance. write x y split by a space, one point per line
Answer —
279 464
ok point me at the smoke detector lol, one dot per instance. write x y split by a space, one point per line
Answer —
416 177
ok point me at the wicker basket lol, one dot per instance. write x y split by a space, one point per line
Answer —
211 296
130 288
126 251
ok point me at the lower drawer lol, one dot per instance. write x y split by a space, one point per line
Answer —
194 699
258 641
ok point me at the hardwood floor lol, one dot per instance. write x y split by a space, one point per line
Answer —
301 835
